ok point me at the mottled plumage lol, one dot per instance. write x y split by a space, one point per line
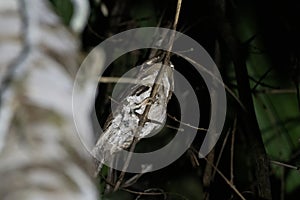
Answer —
123 125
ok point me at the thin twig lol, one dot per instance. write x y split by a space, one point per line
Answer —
186 124
174 128
151 189
282 188
218 80
221 152
232 150
223 176
193 157
131 80
168 53
226 180
259 82
207 174
276 91
142 193
116 80
285 165
131 191
262 84
126 164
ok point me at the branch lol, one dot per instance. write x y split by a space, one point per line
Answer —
144 117
248 117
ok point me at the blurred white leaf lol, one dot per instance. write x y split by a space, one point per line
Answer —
80 16
41 156
104 9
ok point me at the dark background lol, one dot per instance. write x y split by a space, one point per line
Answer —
256 47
